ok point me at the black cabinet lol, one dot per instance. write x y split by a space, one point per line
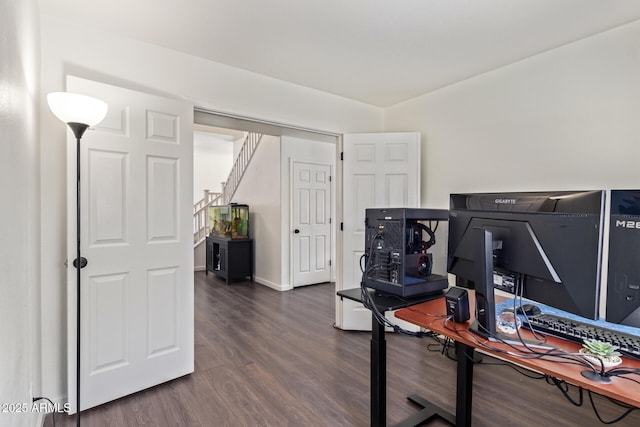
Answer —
229 259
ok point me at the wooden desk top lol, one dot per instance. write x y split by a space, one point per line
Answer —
431 315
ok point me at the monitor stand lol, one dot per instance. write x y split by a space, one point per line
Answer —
485 323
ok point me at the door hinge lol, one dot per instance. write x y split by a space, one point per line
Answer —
342 226
342 155
329 220
329 178
329 263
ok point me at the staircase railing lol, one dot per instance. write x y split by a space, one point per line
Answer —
249 146
201 215
201 208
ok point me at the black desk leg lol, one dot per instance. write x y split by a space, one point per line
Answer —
378 375
464 385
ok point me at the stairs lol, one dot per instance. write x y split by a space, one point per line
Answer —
201 208
201 215
249 146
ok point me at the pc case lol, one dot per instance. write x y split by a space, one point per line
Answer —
623 282
396 244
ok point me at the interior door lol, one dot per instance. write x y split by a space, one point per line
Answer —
311 226
137 288
379 170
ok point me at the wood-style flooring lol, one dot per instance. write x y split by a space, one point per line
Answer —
268 358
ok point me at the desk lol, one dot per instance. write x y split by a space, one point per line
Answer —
385 303
619 389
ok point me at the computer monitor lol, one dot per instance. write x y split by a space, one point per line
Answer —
545 246
623 280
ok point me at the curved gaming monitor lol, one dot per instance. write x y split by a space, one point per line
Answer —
546 246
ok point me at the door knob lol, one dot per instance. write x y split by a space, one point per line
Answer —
296 231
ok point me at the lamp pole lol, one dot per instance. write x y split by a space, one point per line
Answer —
79 263
78 112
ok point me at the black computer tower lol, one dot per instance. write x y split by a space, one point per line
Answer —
623 280
396 250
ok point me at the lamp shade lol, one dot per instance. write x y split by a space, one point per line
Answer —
77 108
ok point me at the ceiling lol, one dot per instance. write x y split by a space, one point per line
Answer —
379 52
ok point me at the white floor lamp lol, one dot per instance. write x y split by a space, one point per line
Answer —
79 112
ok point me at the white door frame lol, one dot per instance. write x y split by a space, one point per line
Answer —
339 179
312 155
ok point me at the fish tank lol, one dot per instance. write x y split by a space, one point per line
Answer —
230 221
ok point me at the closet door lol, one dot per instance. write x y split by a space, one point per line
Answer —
311 222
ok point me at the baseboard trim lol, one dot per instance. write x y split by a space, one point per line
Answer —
270 284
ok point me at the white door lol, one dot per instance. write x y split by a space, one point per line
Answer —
311 226
137 288
379 170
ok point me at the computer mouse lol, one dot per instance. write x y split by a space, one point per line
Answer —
529 310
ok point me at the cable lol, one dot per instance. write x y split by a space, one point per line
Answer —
620 418
564 388
529 352
522 371
415 243
557 355
575 358
367 298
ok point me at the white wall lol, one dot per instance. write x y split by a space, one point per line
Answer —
212 161
567 119
20 215
213 157
260 189
74 49
80 50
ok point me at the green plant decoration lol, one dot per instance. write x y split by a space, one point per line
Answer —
603 350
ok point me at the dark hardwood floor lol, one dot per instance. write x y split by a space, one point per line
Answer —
267 358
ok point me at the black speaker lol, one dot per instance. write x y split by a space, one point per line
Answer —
457 300
623 280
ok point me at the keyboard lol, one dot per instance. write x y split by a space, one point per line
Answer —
577 331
